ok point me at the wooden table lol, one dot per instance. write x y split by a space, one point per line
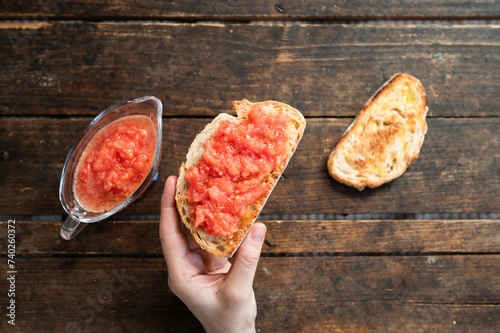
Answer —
421 253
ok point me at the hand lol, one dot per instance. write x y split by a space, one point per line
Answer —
218 293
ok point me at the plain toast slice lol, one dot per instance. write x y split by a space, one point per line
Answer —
384 138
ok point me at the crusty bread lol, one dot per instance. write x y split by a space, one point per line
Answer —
384 138
222 246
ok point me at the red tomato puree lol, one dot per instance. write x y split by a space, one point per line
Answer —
115 163
230 175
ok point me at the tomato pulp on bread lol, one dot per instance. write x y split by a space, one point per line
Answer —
231 174
115 163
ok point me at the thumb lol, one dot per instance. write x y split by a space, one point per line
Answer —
246 259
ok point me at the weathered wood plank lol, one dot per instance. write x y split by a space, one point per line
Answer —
61 68
457 155
286 237
439 293
380 293
248 10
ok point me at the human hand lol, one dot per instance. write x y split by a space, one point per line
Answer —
218 293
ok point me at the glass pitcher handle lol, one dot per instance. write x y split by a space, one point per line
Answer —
71 228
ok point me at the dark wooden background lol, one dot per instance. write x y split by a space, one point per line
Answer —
421 253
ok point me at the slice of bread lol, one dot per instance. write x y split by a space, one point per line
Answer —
384 138
222 246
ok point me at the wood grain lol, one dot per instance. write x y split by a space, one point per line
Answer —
380 293
418 294
304 237
457 155
248 10
331 70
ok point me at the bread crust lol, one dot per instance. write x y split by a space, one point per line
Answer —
222 246
384 138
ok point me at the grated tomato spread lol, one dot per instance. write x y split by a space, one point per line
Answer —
231 174
115 163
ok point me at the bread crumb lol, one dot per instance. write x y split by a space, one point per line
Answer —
432 259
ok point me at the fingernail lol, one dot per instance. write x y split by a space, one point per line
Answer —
258 232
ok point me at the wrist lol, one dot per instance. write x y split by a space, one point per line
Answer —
227 328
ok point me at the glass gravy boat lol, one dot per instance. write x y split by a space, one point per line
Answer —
79 217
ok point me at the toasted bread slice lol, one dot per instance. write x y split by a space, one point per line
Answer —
384 138
222 246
